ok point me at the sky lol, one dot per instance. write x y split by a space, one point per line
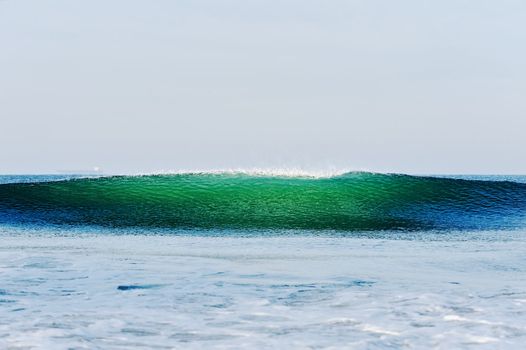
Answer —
132 86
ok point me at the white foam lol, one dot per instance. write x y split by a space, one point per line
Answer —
278 172
257 292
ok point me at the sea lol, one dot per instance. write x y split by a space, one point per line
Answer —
262 260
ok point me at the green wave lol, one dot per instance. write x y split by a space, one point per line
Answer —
349 202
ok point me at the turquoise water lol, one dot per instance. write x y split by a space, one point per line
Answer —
347 202
454 278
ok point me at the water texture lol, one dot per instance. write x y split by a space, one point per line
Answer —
348 202
264 261
105 291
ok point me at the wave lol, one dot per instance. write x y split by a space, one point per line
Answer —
236 200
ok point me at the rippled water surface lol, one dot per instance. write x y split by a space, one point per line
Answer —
64 289
353 201
357 261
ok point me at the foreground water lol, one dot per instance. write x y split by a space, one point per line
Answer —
69 289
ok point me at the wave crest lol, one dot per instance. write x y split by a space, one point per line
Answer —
268 200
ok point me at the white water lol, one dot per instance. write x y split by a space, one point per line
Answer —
444 291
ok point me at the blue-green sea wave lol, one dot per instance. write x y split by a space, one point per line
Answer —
356 201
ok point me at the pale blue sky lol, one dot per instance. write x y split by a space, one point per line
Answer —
140 86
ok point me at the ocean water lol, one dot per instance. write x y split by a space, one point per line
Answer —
228 261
